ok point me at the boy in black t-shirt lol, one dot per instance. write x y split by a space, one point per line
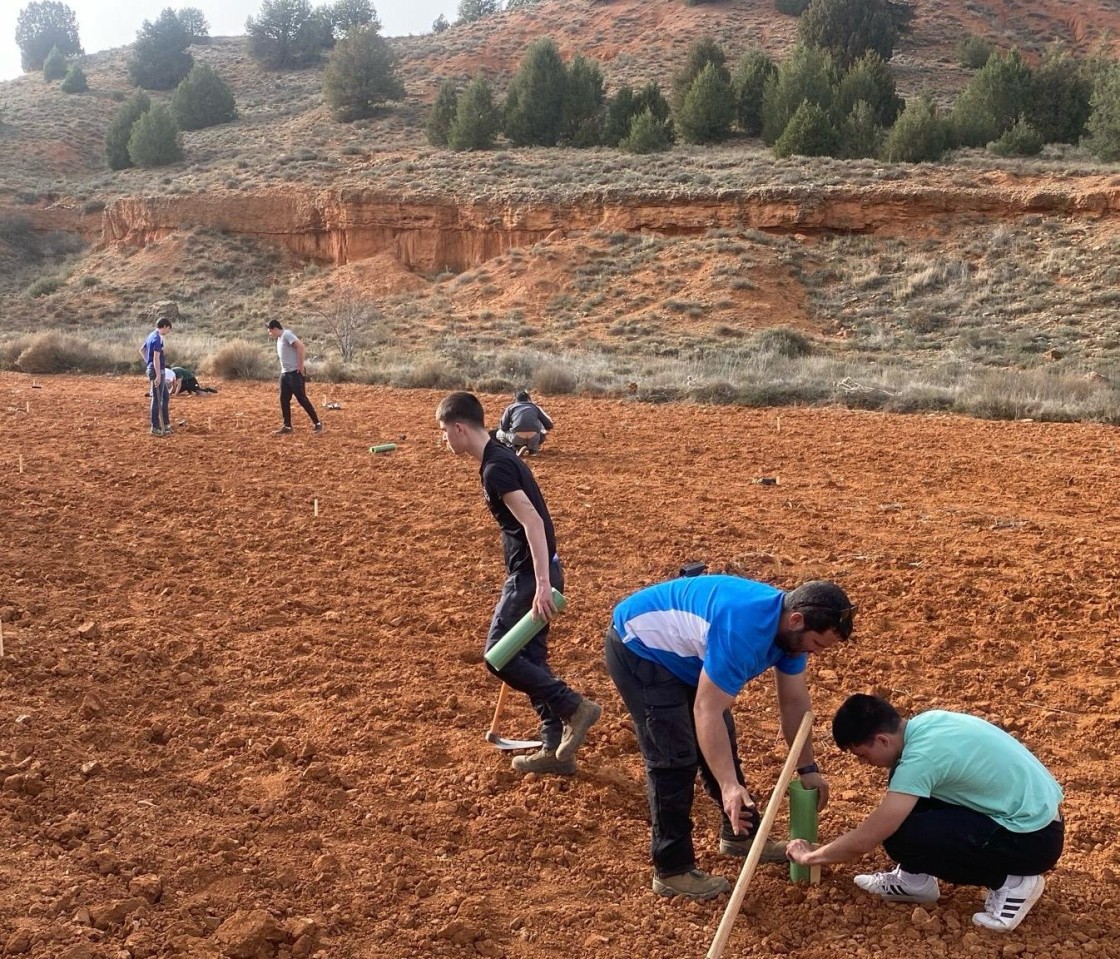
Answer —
533 568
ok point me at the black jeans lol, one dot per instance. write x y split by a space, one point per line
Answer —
661 707
968 848
528 671
291 384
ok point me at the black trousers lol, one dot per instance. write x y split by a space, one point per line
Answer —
291 384
968 848
528 672
661 707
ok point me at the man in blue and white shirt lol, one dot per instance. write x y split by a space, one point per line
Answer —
679 653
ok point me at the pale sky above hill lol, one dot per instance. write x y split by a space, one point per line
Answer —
104 24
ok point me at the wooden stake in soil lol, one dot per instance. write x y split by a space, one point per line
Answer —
723 933
21 464
1 639
315 506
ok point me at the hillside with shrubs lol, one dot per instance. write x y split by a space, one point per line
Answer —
553 104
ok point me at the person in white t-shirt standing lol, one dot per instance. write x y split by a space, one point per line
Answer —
292 378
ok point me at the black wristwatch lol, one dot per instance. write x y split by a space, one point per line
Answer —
808 770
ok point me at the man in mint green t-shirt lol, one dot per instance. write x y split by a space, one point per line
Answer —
966 803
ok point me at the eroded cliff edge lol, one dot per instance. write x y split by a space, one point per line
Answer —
430 235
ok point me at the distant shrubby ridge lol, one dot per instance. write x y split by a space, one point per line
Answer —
833 94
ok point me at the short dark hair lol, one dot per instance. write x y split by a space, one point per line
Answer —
522 396
275 325
163 323
862 717
824 605
461 407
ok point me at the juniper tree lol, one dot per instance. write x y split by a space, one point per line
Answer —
472 10
700 54
583 103
202 99
443 114
159 57
1103 127
997 95
75 81
534 107
648 134
194 22
43 25
154 140
116 139
55 66
809 133
869 79
806 74
919 134
361 75
848 29
708 109
748 83
477 119
289 34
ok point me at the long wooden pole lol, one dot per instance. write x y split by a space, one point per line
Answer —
723 933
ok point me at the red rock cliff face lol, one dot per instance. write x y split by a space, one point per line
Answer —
340 226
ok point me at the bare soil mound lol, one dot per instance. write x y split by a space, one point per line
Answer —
234 727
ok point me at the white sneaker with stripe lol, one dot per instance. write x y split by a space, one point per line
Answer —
1006 906
899 886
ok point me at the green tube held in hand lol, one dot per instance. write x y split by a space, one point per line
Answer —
802 823
383 448
522 631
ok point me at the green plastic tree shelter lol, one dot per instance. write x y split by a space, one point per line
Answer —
523 630
802 825
383 448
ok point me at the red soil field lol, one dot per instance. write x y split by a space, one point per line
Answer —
234 728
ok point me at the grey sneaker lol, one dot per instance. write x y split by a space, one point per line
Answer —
694 884
283 429
576 727
772 850
157 432
544 761
317 428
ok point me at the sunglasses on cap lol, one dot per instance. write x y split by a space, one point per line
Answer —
842 621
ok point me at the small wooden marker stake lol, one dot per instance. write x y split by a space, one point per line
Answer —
315 506
1 639
29 407
778 423
21 464
208 427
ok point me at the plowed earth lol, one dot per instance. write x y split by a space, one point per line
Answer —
233 727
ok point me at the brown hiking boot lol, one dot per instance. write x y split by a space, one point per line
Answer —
772 851
544 761
576 727
694 884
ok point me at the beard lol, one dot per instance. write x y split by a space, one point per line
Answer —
790 641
